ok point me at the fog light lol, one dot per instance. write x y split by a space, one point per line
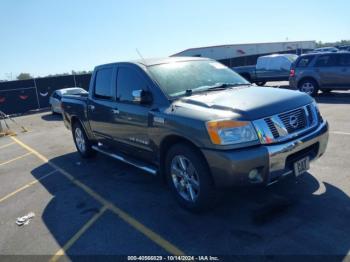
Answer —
255 176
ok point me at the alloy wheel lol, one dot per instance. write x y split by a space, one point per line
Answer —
185 178
308 88
80 140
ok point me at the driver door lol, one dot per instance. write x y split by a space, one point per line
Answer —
133 118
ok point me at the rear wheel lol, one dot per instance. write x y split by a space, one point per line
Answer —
53 111
326 91
189 178
82 143
247 77
308 86
261 83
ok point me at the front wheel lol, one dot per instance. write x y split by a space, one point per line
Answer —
82 143
189 178
309 87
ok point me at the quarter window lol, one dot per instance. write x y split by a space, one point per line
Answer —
305 61
344 60
128 81
103 83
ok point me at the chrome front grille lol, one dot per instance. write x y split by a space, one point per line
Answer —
299 115
272 127
284 126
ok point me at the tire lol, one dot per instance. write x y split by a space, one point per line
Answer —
261 83
82 143
308 86
247 77
52 111
189 178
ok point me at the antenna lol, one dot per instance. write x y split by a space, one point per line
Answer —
140 55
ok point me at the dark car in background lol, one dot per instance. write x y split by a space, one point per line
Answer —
322 71
344 48
269 68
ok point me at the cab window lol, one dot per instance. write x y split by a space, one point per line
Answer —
129 80
103 83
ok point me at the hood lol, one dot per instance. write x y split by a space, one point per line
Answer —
252 102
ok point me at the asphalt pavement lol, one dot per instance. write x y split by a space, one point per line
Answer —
103 207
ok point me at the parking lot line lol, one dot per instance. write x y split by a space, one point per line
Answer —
81 231
340 133
16 158
7 145
27 186
153 236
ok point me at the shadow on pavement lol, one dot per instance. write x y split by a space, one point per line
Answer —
334 98
52 117
294 217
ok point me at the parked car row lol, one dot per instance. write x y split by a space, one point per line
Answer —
333 49
325 49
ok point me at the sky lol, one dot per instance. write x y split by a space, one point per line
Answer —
44 37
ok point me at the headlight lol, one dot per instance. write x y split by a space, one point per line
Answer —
228 132
318 113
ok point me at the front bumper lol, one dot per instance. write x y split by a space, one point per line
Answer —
230 168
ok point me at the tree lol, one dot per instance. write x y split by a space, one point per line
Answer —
24 76
337 43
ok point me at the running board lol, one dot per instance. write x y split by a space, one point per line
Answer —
136 163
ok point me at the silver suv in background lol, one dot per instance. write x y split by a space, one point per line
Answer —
324 71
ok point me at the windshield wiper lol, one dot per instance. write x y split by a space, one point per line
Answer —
215 87
220 86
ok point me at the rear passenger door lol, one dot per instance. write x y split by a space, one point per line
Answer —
133 118
101 104
344 70
326 68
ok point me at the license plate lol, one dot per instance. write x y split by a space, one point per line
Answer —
301 166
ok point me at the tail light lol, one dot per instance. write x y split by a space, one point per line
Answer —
292 73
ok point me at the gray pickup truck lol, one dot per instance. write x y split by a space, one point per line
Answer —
268 68
197 124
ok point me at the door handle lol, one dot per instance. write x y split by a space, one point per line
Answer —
92 107
115 111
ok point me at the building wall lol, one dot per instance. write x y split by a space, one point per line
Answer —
246 54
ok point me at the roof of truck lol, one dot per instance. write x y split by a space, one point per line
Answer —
158 61
166 60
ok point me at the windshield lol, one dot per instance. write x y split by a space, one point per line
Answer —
181 78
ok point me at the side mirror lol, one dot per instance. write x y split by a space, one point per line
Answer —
141 97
